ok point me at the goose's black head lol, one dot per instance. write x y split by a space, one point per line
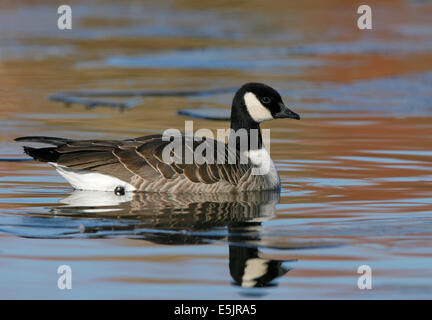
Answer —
256 102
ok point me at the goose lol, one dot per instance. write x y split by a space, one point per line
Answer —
138 164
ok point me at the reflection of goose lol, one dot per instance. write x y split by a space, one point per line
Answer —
142 164
186 219
246 267
204 208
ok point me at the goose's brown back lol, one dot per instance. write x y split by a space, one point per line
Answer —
140 163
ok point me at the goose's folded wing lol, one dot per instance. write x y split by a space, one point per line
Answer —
208 161
111 157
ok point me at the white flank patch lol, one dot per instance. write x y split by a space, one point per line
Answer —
256 110
89 180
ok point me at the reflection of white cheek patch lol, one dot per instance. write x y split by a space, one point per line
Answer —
255 268
256 110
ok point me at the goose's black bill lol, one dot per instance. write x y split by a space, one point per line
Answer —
286 113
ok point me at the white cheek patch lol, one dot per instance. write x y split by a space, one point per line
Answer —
256 110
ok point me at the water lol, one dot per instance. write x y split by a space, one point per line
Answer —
356 170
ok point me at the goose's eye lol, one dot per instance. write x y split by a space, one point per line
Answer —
265 100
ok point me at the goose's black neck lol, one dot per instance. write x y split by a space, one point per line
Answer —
241 122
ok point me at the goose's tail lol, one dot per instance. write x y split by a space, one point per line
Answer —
43 154
50 140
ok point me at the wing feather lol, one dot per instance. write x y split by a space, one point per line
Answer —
143 157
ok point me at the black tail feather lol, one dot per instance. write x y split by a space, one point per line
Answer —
40 139
42 154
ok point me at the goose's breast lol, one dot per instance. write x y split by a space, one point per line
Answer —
264 174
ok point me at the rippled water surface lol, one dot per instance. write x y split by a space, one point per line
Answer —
356 171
